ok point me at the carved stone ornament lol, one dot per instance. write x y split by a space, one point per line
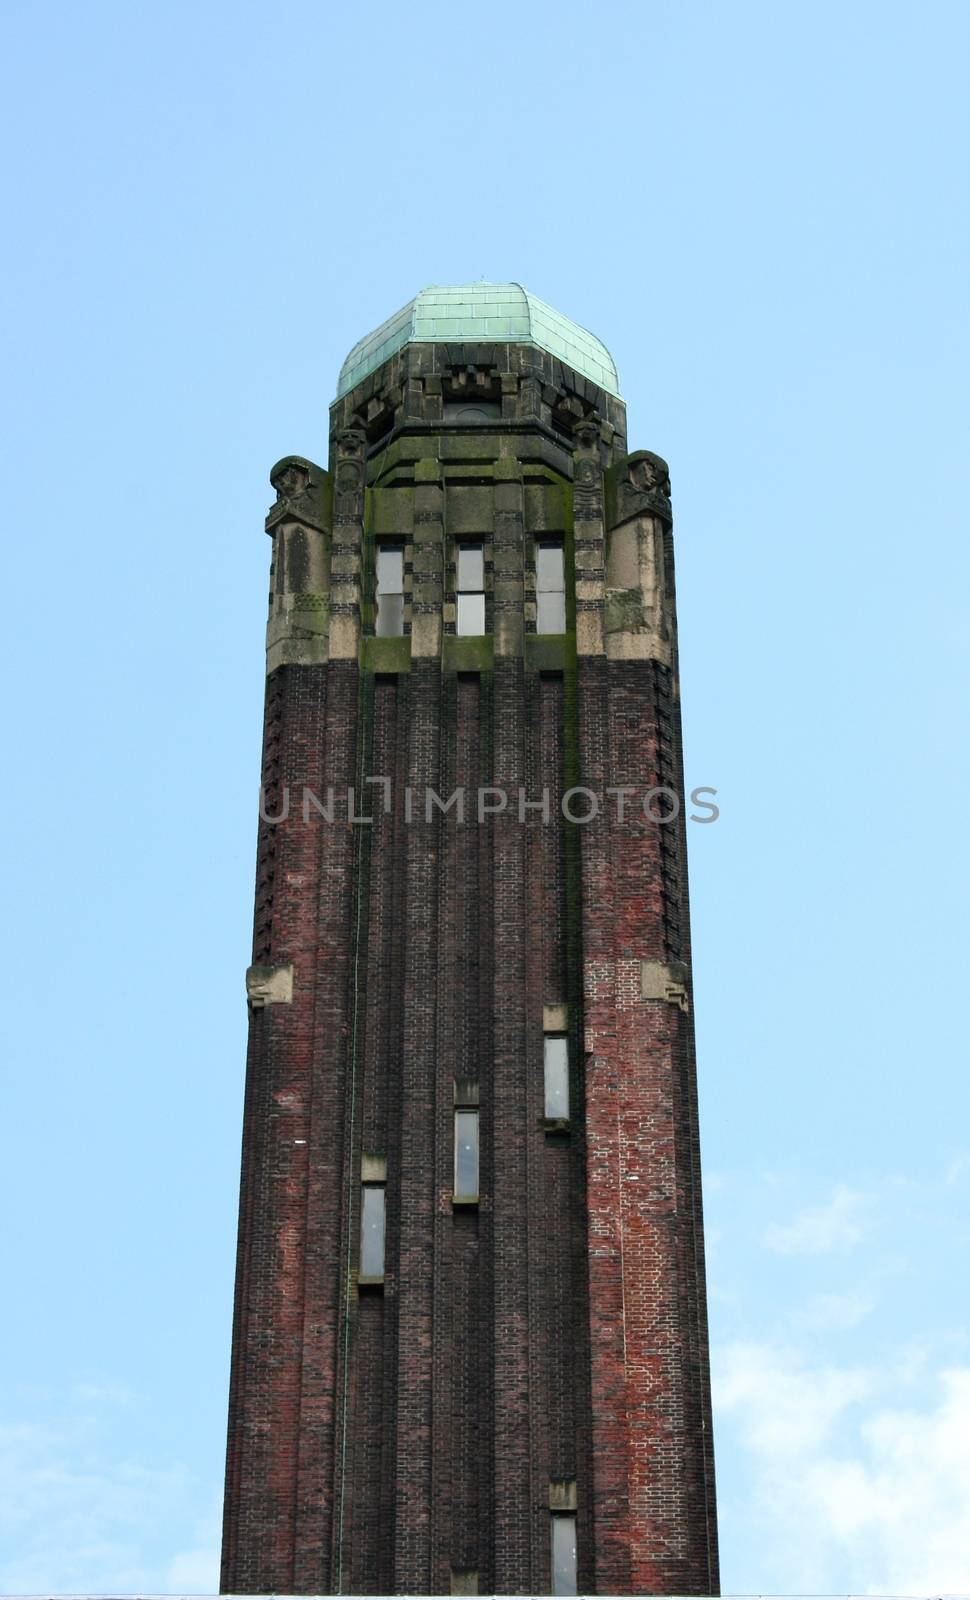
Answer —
587 434
587 465
350 442
643 487
298 493
348 477
349 471
647 472
289 480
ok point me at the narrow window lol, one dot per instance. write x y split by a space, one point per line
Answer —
563 1552
390 590
372 1231
466 1155
471 589
556 1062
550 587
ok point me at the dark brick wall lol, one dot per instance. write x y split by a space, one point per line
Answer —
381 1437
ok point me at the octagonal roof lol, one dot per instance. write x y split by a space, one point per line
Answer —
481 313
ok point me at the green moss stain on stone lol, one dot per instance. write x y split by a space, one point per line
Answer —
623 611
475 654
309 612
546 652
391 513
385 655
367 564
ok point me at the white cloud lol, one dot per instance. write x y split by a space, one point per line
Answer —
783 1410
848 1492
914 1493
83 1516
835 1225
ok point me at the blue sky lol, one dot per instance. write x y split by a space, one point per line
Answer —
761 209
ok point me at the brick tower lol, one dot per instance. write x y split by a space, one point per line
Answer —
470 1341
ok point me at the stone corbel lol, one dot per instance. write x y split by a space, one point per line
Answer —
665 980
269 986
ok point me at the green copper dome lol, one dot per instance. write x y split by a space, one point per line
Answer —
481 313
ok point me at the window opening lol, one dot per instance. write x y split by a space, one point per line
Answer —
390 590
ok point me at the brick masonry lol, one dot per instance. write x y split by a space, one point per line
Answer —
396 1437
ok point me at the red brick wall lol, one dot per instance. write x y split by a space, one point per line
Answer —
653 1466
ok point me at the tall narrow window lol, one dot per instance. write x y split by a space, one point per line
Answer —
471 588
563 1552
390 590
466 1155
550 587
372 1232
556 1064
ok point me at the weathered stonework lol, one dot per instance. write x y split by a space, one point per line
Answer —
639 592
543 1349
269 986
299 524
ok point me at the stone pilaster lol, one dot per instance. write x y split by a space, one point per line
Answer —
589 540
509 559
348 540
427 595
